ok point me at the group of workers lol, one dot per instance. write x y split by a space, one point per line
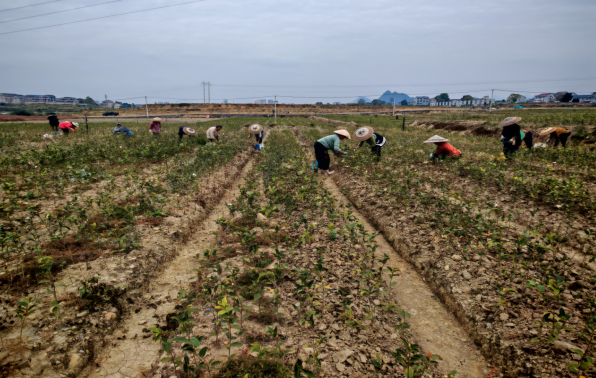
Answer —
512 137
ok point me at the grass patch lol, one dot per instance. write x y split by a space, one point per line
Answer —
253 367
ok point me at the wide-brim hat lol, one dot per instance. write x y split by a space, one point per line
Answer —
75 124
436 139
156 119
363 133
255 129
343 133
189 131
546 131
509 121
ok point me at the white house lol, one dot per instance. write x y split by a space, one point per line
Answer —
584 99
433 102
421 101
10 98
108 104
545 97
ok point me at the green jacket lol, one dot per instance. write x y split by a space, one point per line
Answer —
331 142
372 141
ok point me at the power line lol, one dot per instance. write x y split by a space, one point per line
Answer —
66 10
98 18
27 6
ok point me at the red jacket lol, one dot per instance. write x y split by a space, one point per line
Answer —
445 148
67 125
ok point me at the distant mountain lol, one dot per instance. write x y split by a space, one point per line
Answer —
360 97
399 97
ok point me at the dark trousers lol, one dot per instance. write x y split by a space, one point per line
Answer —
322 156
65 131
562 139
211 140
529 140
376 150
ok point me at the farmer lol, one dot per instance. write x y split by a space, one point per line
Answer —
68 126
155 127
185 130
54 122
444 149
556 134
213 133
258 131
121 129
367 135
512 136
330 142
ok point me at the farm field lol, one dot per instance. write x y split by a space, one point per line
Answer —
146 257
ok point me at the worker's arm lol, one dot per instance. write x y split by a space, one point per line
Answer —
336 149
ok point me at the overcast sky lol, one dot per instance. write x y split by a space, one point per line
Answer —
311 50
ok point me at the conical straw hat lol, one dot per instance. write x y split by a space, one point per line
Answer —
255 129
75 124
156 119
189 131
546 131
509 121
343 133
363 133
436 139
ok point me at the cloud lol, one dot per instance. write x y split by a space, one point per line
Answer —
299 48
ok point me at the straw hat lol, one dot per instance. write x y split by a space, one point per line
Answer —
343 133
436 139
255 129
75 124
547 131
156 119
363 133
189 131
509 121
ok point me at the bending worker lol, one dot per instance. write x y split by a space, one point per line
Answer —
155 127
367 134
512 136
121 129
213 133
185 130
259 133
444 149
556 134
68 126
323 145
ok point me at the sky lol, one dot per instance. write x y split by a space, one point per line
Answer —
302 51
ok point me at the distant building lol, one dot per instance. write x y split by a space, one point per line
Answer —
108 104
520 99
39 99
10 98
225 101
433 102
337 103
584 99
67 100
545 97
260 102
421 101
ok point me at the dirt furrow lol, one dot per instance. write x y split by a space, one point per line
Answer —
433 326
132 352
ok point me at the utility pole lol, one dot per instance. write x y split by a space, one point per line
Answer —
146 107
394 104
275 107
492 96
203 92
209 91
